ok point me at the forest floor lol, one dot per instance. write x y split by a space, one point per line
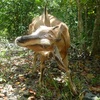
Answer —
18 82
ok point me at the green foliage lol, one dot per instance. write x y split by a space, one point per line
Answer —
15 16
16 70
95 81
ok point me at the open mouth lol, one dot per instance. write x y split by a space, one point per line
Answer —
41 45
34 42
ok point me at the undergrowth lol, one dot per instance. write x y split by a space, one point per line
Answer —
16 69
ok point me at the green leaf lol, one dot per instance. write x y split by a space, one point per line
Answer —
37 1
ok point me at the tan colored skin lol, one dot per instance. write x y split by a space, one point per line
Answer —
62 45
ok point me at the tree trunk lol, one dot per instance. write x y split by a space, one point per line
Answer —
85 19
96 33
80 21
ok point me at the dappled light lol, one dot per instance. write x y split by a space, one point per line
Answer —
21 75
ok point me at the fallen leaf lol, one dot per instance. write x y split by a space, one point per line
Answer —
17 83
2 95
95 89
90 76
87 69
5 98
21 78
32 91
23 89
83 73
31 98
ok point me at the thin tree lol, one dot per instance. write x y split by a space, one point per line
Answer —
96 32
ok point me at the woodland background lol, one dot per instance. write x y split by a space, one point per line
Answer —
83 20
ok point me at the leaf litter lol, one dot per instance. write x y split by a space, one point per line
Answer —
17 82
